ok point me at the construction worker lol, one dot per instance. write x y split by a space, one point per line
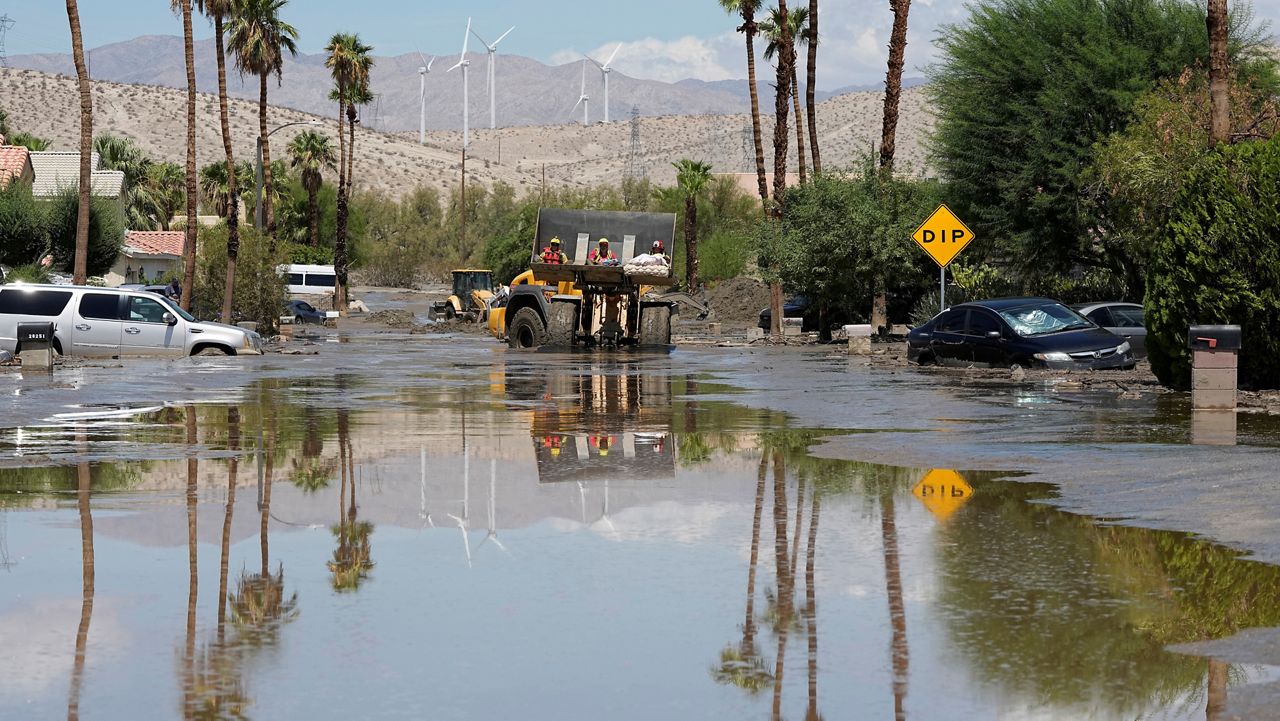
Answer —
602 255
660 251
552 254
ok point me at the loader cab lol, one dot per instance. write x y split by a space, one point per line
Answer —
472 290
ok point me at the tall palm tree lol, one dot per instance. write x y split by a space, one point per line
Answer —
189 245
220 11
811 85
349 62
258 37
893 81
80 270
691 177
311 153
1217 23
166 186
361 96
782 86
799 19
747 9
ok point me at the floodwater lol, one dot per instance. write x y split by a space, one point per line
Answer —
503 536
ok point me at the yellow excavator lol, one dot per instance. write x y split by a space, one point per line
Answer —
472 292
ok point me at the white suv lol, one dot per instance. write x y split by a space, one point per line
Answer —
112 322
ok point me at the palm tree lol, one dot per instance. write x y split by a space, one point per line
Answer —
29 141
214 189
810 88
220 10
126 156
259 38
189 246
349 62
799 19
893 81
80 272
310 153
691 177
747 9
166 190
361 96
1217 22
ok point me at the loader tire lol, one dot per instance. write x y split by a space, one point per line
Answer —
655 325
526 330
562 324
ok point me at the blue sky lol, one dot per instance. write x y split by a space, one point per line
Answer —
663 39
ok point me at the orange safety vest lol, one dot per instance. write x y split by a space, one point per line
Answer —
553 256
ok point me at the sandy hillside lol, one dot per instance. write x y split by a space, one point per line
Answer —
48 106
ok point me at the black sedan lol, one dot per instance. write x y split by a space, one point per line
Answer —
1017 331
304 312
808 313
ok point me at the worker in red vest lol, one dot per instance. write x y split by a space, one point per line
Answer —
551 254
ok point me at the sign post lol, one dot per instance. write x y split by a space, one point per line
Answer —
943 236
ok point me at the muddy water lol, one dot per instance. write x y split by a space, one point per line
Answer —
516 537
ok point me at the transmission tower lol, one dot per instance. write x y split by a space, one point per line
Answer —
5 563
6 23
635 168
748 149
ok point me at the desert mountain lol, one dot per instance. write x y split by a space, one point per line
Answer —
48 106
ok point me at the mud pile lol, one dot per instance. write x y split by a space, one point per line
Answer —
738 301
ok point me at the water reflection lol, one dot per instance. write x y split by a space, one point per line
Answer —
627 512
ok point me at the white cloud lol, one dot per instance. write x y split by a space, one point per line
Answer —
666 60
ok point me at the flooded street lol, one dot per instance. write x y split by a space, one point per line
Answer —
409 527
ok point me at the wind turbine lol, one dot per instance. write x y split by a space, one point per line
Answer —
464 64
605 70
583 99
422 97
493 52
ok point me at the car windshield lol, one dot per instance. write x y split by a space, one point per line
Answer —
1043 318
179 311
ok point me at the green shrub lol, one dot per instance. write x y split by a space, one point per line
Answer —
106 231
32 273
723 255
24 228
260 292
1218 261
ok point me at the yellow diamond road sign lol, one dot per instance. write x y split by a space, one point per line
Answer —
943 236
943 492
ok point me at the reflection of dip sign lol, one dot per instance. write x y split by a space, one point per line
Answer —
942 491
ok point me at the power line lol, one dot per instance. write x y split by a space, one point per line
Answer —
6 24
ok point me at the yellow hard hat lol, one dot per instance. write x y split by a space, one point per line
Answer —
604 241
604 451
555 241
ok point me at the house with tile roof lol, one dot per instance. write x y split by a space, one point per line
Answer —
59 170
15 164
147 257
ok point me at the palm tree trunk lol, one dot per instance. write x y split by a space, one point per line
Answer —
189 244
1216 691
810 89
193 582
785 577
749 29
691 243
86 586
749 624
351 146
800 149
782 88
879 304
233 204
266 493
340 242
80 271
811 607
1219 104
893 81
269 212
897 605
233 444
313 215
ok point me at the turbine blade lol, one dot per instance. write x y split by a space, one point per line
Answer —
455 67
583 91
482 40
611 57
432 60
466 36
422 58
500 37
597 62
580 99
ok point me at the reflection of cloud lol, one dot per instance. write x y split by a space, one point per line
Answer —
40 642
669 521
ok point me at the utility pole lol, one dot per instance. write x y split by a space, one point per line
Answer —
6 23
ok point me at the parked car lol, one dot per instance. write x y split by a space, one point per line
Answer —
800 307
1123 319
1017 331
304 312
110 322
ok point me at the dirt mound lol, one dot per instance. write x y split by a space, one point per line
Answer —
738 300
395 318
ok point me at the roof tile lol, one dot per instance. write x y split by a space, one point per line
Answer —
13 161
156 242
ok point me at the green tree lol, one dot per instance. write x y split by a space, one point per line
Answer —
349 62
1024 89
24 229
166 190
105 232
28 141
311 153
692 177
259 38
128 157
262 292
1217 260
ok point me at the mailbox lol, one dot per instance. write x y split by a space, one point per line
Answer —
35 336
1214 337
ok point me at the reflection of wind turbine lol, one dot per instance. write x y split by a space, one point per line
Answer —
492 535
423 70
583 99
466 503
606 69
493 54
422 510
464 64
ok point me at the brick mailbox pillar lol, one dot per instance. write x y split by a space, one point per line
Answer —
1215 352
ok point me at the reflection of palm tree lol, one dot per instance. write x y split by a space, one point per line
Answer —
87 590
233 444
1217 690
351 559
811 609
188 657
786 578
897 608
742 666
